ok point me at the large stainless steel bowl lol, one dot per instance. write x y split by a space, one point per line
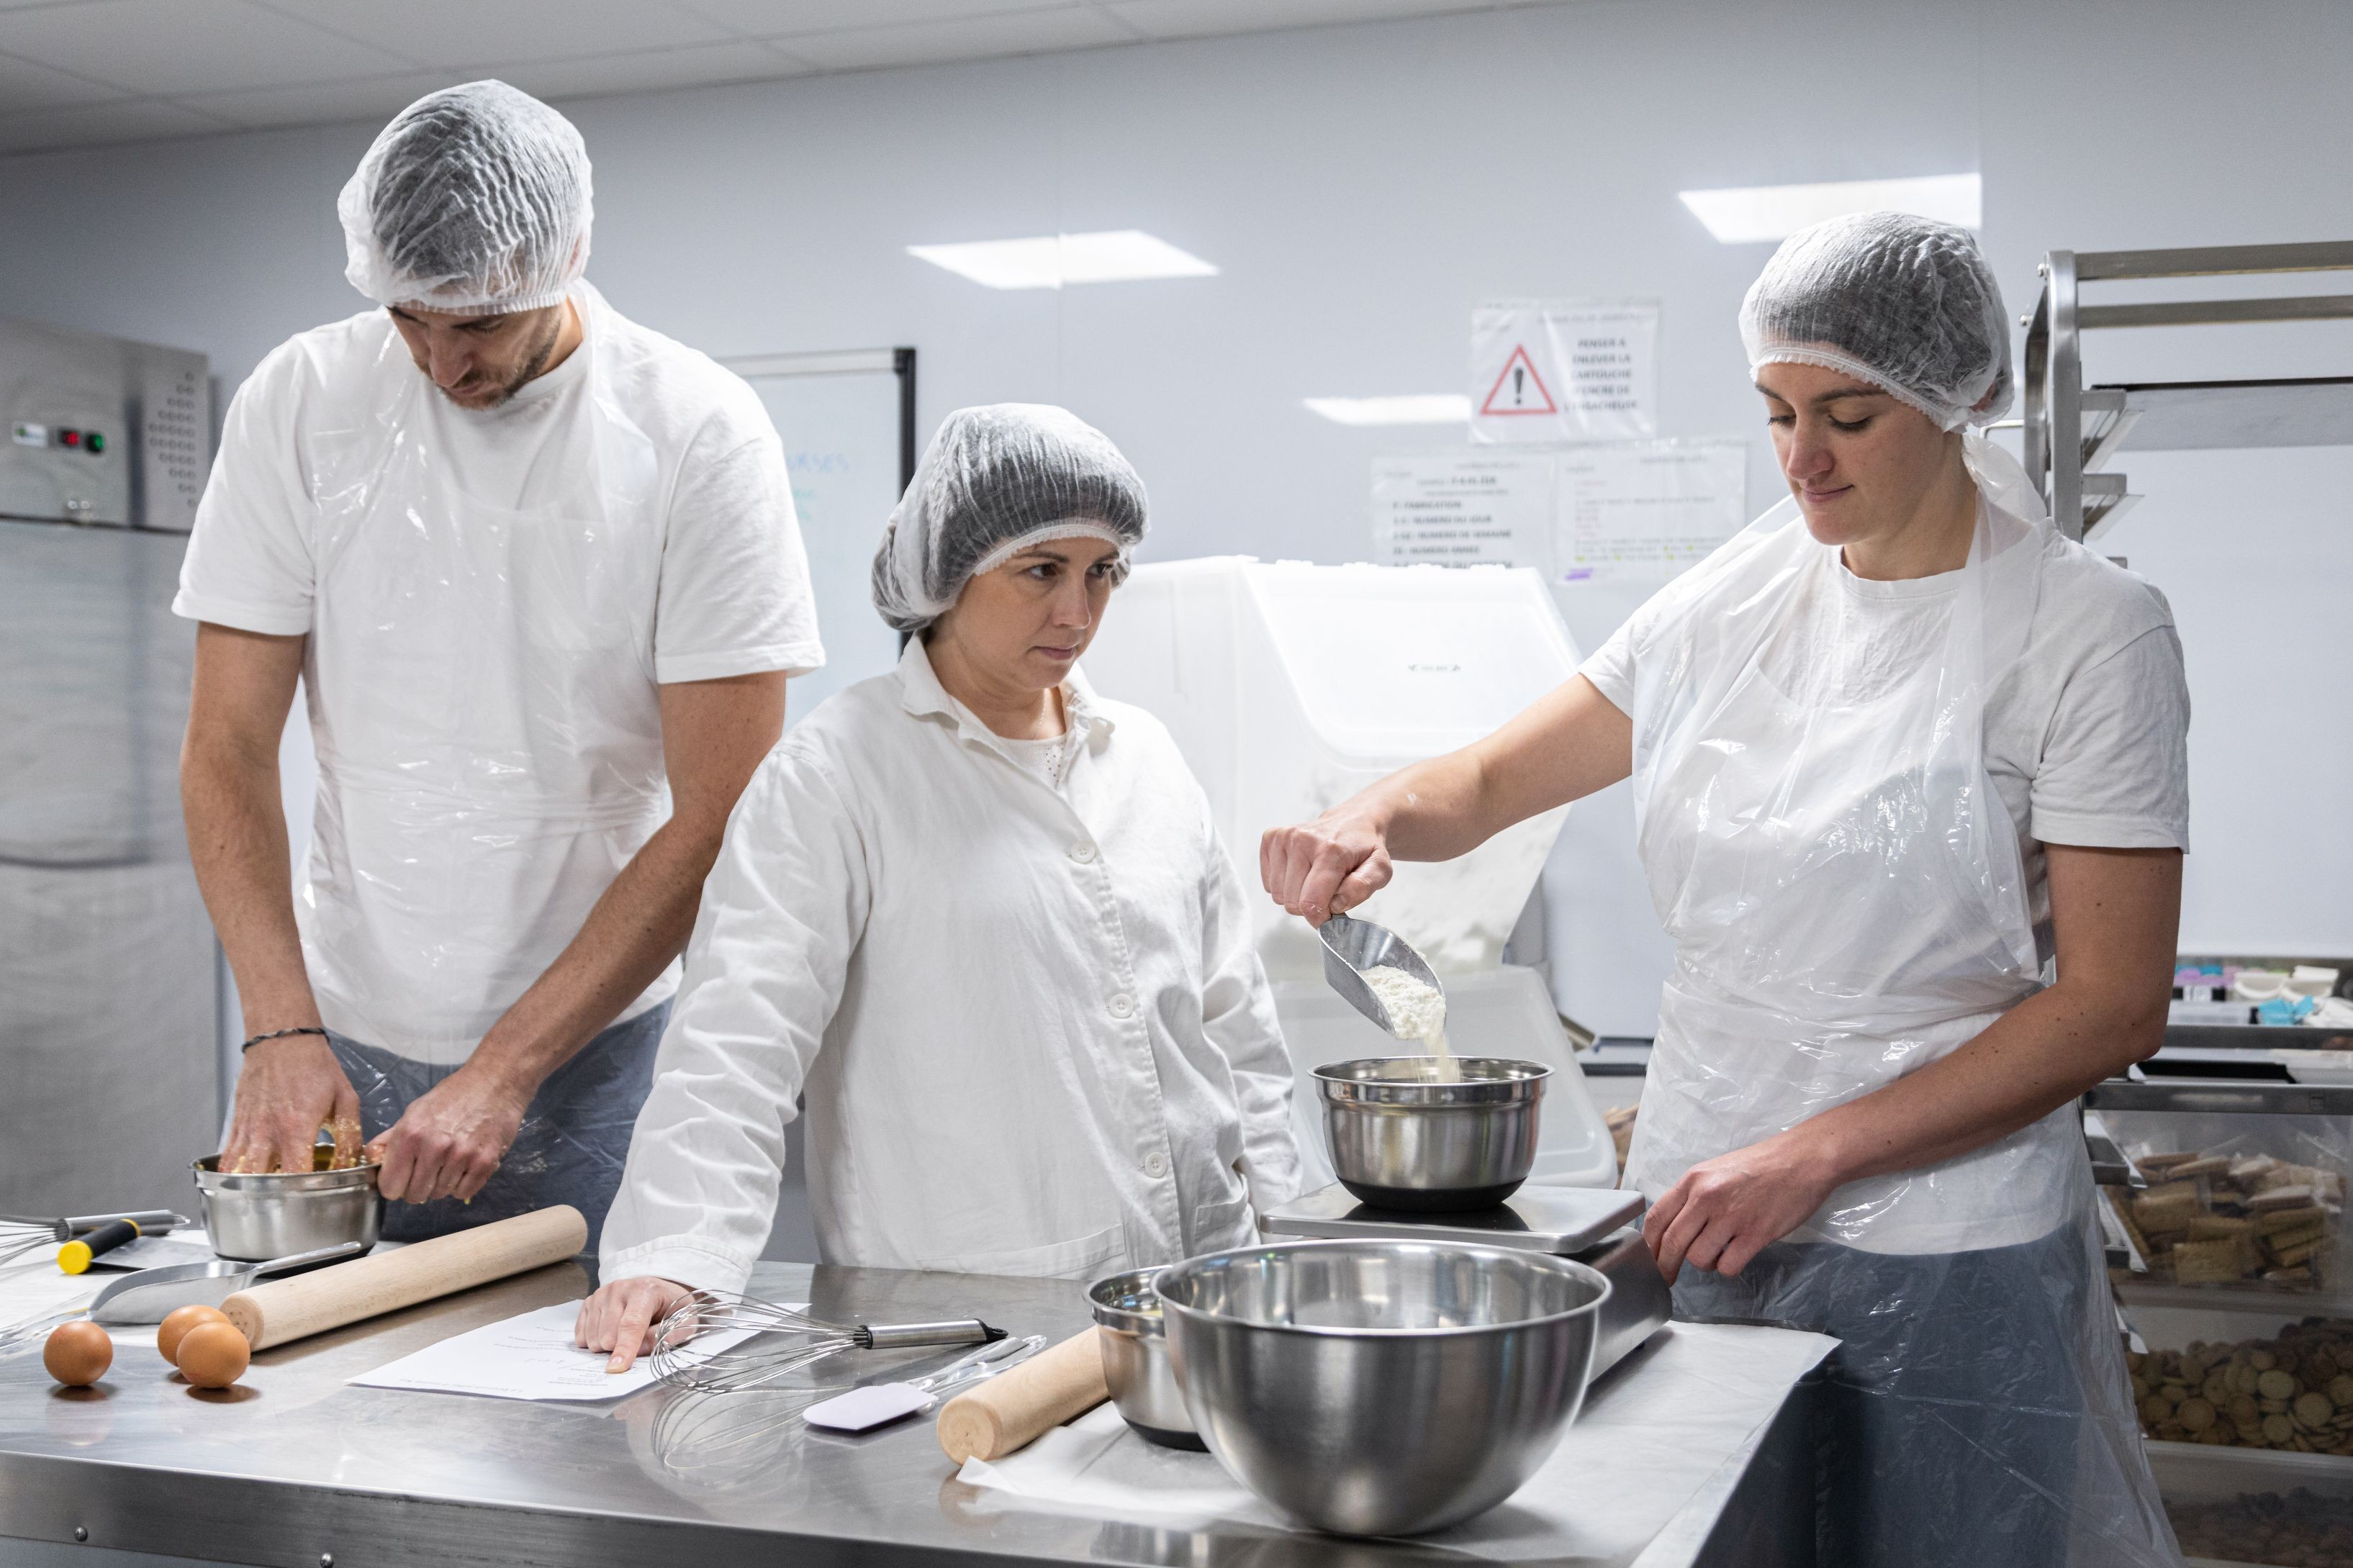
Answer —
1135 1359
1403 1139
1381 1387
258 1217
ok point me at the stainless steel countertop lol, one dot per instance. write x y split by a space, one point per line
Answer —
295 1467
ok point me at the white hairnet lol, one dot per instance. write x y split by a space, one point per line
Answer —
1902 303
996 480
473 201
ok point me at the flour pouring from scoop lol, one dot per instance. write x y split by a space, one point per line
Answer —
1380 975
1417 1012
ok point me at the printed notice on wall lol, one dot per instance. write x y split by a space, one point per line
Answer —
1463 509
1639 513
1564 370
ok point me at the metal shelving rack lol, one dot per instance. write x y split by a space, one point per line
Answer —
2073 435
2073 431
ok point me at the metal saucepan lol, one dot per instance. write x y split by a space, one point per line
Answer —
1135 1359
258 1217
1382 1387
1402 1139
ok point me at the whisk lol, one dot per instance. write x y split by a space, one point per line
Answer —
713 1440
21 1233
763 1343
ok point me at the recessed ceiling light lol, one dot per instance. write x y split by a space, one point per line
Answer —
1050 261
1747 214
1413 408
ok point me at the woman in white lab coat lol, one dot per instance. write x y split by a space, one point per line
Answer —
1895 749
980 918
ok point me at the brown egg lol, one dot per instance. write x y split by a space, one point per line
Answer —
77 1354
213 1355
183 1319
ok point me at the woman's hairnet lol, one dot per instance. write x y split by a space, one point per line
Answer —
473 201
1902 303
996 480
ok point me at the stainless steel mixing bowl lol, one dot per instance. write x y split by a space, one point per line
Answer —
255 1218
1402 1139
1135 1359
1382 1387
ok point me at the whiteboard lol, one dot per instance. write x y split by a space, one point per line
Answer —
841 430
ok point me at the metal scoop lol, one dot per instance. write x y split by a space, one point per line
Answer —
1352 946
154 1294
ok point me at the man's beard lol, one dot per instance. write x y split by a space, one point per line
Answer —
534 363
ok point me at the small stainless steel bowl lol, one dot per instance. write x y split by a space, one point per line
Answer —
1382 1387
255 1217
1402 1139
1135 1359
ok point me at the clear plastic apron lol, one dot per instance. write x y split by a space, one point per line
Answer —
485 715
1845 893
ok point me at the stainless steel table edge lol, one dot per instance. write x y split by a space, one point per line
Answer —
1754 1511
234 1519
1758 1510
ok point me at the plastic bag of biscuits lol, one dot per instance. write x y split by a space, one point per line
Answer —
2226 1214
2292 1392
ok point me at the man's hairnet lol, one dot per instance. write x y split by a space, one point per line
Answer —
1902 303
996 480
473 201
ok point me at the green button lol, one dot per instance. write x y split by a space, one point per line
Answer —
95 442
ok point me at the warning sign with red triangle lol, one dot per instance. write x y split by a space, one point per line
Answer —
1519 389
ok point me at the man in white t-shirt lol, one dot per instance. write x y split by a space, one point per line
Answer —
537 571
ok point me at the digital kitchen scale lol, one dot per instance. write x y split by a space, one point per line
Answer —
1591 1225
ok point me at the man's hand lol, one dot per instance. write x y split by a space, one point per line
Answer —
451 1138
1326 867
286 1091
623 1315
1726 1211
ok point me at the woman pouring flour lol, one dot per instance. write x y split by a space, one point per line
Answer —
979 916
1910 793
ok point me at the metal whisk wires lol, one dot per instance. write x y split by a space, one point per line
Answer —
719 1342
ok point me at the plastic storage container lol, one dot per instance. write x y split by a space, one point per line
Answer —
1289 687
2229 1263
2234 1205
2251 1471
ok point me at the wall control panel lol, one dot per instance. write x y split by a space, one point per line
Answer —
102 431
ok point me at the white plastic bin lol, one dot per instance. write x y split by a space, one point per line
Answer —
1289 687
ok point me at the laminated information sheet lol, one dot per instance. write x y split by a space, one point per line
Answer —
1463 509
1639 512
1549 371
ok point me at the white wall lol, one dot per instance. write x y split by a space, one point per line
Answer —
1361 188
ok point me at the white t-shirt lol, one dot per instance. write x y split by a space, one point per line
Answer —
2087 733
2085 737
493 599
1047 757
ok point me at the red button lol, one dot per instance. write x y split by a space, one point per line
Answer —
69 438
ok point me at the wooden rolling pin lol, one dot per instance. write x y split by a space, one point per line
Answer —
288 1309
1015 1408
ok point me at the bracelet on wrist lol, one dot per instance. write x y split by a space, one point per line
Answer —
282 1034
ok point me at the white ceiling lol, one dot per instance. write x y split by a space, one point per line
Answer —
83 73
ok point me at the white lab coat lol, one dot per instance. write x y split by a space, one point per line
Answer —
1031 1031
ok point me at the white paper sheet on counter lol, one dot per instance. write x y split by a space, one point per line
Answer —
527 1357
34 1294
1644 1443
